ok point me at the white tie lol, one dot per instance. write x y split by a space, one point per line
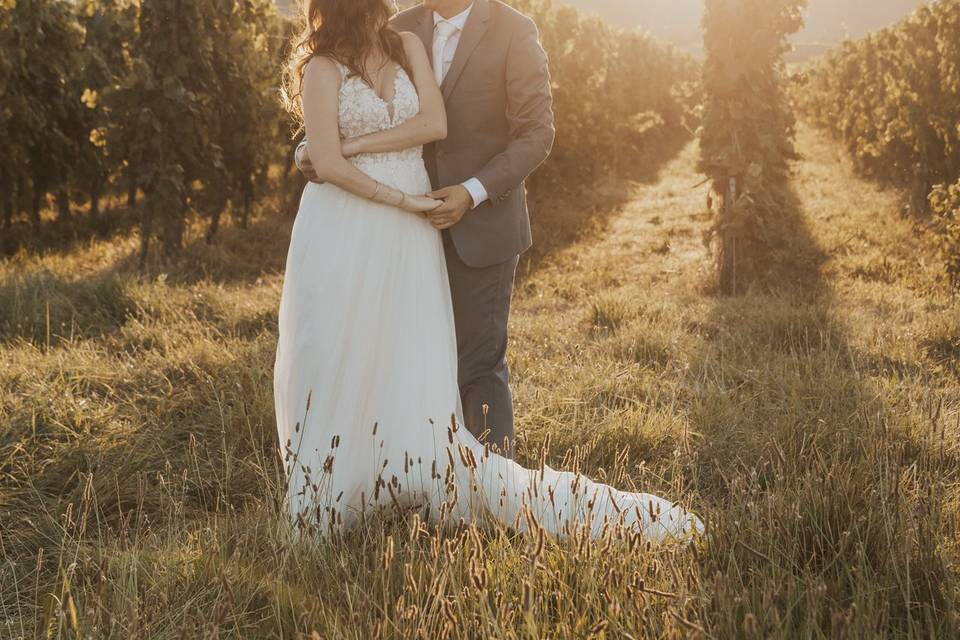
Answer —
441 37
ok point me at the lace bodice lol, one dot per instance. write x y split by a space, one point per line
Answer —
362 112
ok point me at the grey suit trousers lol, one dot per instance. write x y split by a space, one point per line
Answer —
481 309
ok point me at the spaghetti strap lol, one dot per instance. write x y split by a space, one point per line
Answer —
344 71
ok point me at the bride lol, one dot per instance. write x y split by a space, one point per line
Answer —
367 402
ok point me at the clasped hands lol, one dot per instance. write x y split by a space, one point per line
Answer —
452 203
443 208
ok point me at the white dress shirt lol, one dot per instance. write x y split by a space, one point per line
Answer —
443 55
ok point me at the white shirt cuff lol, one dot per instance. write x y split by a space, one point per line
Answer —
477 191
296 154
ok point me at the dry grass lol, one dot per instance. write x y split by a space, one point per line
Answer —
815 422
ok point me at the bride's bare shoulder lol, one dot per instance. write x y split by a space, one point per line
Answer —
321 69
412 43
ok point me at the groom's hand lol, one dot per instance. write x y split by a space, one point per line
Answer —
305 165
456 202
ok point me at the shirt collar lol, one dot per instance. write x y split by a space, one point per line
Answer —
459 20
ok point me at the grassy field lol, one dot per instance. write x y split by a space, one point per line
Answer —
815 423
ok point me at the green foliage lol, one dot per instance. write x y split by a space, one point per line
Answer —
893 98
108 27
194 107
249 112
7 165
39 45
172 91
172 96
46 309
748 128
618 96
945 205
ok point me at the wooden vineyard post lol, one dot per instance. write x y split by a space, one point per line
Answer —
746 138
728 241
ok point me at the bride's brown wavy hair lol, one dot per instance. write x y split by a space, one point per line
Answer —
346 31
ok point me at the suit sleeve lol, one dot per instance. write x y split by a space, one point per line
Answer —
529 112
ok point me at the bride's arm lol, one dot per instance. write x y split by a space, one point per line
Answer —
429 125
321 88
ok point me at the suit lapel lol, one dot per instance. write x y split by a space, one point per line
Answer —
473 32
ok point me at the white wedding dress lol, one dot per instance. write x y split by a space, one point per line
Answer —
366 372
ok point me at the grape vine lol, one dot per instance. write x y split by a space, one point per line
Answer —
893 98
747 134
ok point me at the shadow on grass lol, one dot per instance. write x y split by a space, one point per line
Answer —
561 216
237 256
45 309
803 463
62 237
199 431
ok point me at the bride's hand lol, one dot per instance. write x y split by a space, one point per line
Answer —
419 204
350 147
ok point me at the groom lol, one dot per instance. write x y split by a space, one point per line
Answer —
495 81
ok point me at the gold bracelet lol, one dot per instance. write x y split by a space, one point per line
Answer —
403 199
376 191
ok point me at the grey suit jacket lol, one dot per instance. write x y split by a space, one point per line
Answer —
499 121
